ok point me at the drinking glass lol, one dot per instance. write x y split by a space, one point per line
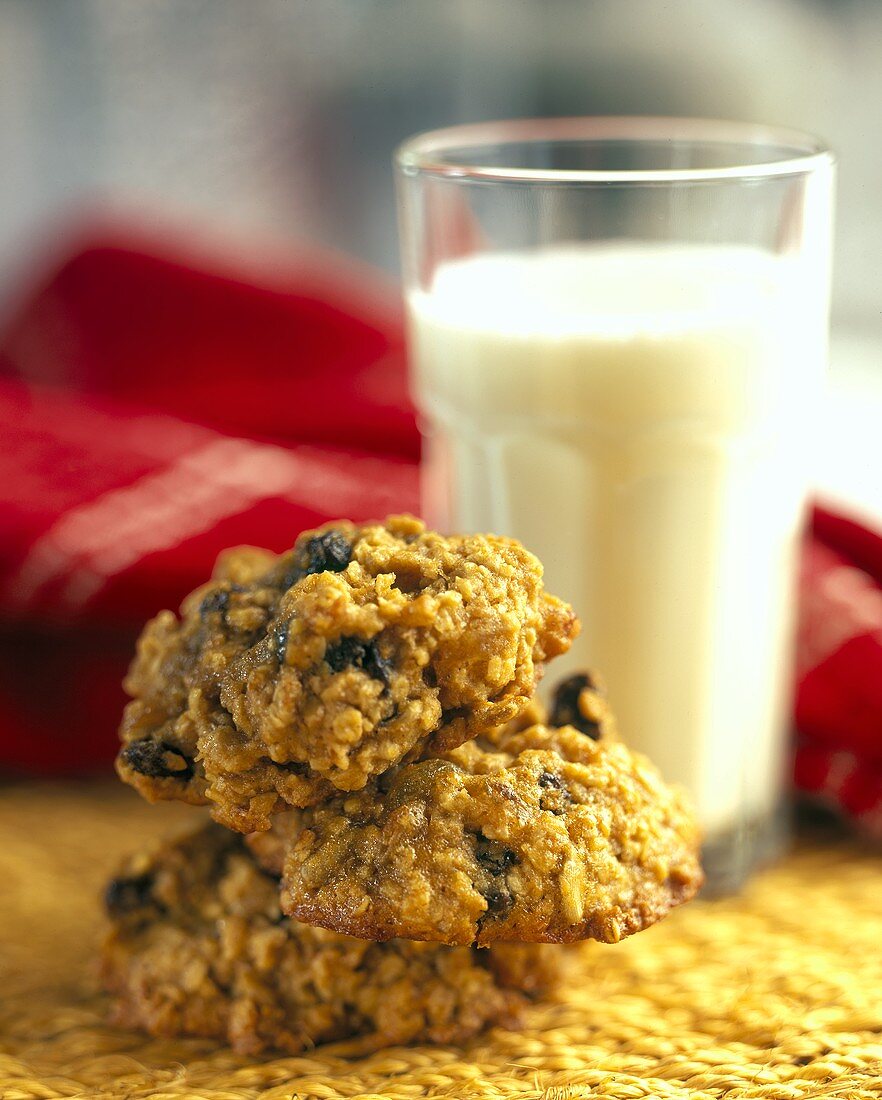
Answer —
618 335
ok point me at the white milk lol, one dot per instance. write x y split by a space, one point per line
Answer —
633 414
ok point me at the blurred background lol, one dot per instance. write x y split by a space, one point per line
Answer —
266 124
277 118
260 128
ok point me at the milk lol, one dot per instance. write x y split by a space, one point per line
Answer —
634 415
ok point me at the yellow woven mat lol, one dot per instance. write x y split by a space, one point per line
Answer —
775 994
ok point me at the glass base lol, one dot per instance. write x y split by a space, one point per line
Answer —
731 857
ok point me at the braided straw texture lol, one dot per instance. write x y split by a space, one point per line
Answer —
775 994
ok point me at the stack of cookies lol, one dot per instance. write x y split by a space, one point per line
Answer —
399 832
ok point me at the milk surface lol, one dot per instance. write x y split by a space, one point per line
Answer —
634 415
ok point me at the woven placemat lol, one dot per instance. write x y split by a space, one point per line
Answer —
777 993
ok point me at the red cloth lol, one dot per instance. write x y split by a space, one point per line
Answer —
839 668
153 413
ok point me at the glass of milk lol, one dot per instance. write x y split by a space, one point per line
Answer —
618 335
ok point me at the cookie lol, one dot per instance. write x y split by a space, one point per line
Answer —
542 834
579 701
288 678
199 947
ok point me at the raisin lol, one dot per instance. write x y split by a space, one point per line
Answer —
493 856
499 903
555 797
157 760
328 552
280 641
565 709
218 600
358 653
124 895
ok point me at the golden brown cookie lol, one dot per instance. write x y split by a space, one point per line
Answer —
543 834
199 947
288 678
579 701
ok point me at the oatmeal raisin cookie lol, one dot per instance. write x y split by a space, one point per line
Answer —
542 834
287 678
199 947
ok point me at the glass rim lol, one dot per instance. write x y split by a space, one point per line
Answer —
798 153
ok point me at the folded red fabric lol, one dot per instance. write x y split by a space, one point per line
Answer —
839 668
155 411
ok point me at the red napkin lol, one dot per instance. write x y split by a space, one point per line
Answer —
155 411
839 669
